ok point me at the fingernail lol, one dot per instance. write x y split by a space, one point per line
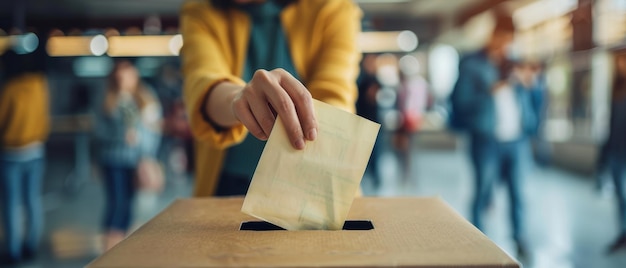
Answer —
300 144
312 134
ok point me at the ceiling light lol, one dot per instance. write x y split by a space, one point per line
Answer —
142 46
176 43
407 41
381 1
68 46
392 41
98 45
26 43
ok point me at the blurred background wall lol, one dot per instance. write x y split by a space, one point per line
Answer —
575 41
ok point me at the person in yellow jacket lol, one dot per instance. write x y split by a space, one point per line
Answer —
23 130
246 62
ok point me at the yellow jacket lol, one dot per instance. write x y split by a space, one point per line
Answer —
24 111
322 38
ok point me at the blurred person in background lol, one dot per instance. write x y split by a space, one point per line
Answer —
176 148
127 132
367 107
491 101
616 146
540 100
229 48
413 99
24 127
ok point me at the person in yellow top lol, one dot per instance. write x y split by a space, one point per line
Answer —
24 127
246 62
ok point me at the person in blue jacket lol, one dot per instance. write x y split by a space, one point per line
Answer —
616 147
493 104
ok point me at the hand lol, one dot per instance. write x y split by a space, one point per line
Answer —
498 86
272 93
256 105
131 137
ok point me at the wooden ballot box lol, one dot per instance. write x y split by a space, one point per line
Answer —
381 232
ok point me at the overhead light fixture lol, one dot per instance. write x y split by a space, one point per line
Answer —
21 44
98 45
409 65
176 43
144 45
170 45
25 43
407 41
381 1
69 46
393 41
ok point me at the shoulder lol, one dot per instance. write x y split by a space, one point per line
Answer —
473 61
323 3
199 8
194 5
189 5
474 57
317 6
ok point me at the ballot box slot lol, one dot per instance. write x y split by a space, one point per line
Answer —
350 225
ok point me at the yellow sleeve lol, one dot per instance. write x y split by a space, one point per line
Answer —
6 100
334 75
204 64
45 110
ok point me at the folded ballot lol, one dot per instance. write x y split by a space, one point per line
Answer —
312 189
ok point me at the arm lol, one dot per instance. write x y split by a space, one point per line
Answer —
463 93
333 78
106 130
150 126
149 141
254 105
6 106
221 104
204 67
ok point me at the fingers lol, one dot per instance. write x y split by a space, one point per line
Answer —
284 107
303 103
244 114
277 93
263 114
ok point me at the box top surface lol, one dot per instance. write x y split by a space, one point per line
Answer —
408 232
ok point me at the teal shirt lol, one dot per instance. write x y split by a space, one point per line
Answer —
268 49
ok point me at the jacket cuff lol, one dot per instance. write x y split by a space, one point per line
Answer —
202 127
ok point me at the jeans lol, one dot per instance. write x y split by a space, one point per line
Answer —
618 168
120 190
492 161
20 186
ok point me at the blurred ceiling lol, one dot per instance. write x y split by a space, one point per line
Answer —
133 8
424 8
94 8
427 18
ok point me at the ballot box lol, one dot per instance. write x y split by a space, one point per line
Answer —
379 232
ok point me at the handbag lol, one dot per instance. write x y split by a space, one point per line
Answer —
150 176
411 121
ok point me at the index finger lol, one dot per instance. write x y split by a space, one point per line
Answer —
303 102
281 102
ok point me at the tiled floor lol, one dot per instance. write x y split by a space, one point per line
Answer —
568 224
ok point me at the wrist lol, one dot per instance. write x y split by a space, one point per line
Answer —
217 107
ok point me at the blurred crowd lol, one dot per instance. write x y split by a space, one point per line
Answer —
142 135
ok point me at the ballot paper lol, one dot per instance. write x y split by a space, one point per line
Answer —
312 189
